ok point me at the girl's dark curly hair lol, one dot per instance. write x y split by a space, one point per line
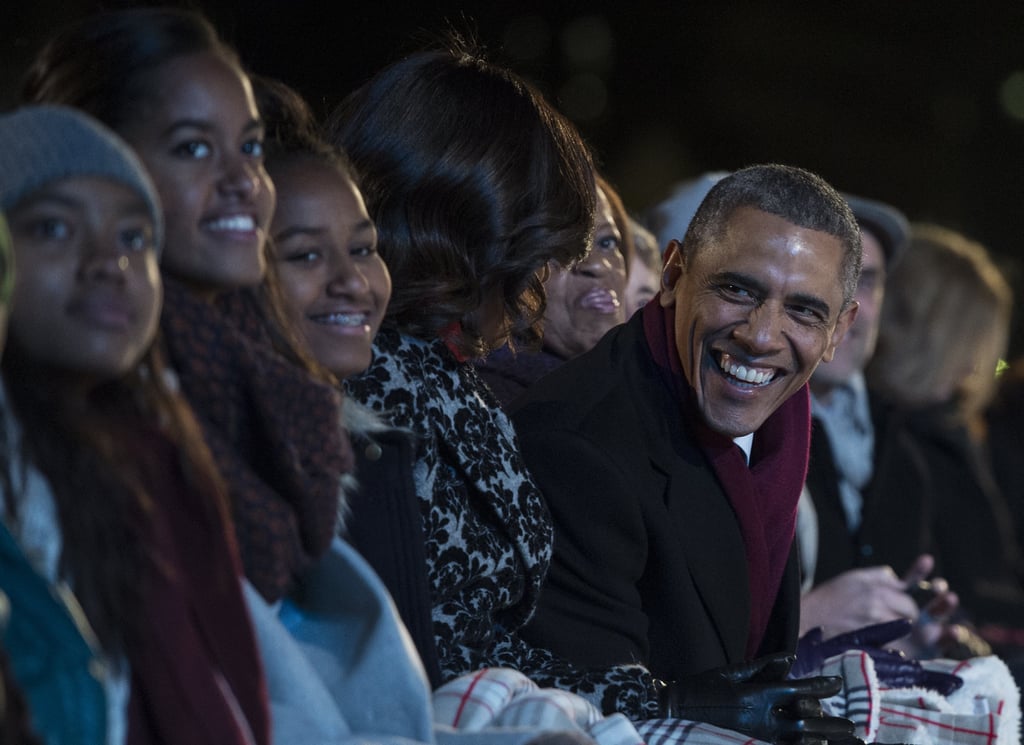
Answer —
474 182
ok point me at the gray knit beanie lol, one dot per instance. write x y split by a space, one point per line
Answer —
42 144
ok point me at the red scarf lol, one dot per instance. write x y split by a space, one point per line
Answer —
451 335
764 495
197 677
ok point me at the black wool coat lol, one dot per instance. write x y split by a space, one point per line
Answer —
896 516
649 564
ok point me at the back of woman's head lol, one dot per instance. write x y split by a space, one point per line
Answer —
101 63
474 183
945 323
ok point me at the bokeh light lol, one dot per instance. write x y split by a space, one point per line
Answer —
1011 95
588 43
527 38
583 97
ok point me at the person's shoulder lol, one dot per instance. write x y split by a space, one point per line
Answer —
591 375
390 343
523 367
893 420
588 394
401 363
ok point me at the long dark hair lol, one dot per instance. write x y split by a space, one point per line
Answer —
474 182
88 449
103 63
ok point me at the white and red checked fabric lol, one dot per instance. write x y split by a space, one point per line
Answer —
985 711
499 698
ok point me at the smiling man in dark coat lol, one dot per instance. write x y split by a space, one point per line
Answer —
672 455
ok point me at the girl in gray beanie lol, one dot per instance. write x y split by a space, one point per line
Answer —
43 144
106 485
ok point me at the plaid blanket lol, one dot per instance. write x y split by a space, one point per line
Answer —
856 701
494 698
985 711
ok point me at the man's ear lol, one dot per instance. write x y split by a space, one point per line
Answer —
843 324
673 263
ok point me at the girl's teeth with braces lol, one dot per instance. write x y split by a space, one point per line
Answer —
342 319
747 375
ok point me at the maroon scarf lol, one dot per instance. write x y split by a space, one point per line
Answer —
764 495
196 638
274 431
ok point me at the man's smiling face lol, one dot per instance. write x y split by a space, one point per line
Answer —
756 310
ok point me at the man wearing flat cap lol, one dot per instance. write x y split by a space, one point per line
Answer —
871 493
860 455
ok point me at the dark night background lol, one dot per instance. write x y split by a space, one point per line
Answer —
920 104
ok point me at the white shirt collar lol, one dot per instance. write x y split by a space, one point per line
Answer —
746 442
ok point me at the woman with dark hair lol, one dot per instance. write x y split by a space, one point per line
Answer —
336 289
583 302
944 327
127 620
474 183
164 80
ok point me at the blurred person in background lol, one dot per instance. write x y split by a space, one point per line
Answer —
944 327
644 270
866 501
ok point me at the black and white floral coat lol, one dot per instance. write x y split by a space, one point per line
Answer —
487 529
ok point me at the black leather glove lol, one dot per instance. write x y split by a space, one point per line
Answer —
754 698
891 666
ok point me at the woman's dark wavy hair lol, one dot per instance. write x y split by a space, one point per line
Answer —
474 182
87 448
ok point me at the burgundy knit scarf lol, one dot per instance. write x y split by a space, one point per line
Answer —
274 431
197 678
764 495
